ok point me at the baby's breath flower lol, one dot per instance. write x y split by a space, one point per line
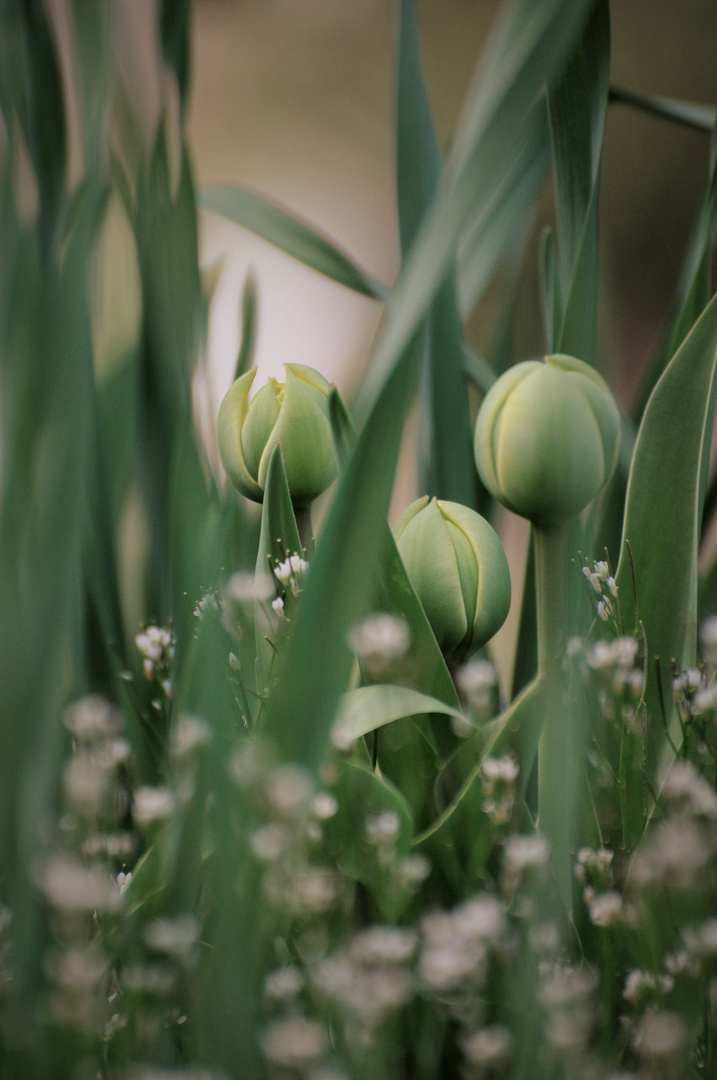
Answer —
92 719
488 1047
189 733
324 806
687 791
383 945
708 640
278 606
384 828
244 588
605 909
283 984
175 938
124 880
71 887
294 1042
289 789
523 853
379 642
269 842
661 1040
152 804
477 680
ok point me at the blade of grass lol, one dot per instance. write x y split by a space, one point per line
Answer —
294 236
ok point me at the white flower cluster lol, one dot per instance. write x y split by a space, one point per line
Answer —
498 776
603 584
477 682
291 572
156 645
594 870
708 641
368 980
457 945
567 995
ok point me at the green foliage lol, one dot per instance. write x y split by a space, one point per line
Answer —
255 818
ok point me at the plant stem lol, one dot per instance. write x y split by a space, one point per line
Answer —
558 764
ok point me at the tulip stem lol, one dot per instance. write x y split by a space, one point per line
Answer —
552 566
557 748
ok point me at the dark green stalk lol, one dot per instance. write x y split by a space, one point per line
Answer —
557 760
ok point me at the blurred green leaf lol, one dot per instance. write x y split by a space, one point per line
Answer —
665 489
528 49
503 224
175 35
370 707
292 235
245 359
342 428
701 117
550 291
577 107
461 839
361 795
693 290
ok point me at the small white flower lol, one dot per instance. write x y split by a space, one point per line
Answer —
176 938
294 1042
278 606
605 909
243 588
383 945
383 828
123 880
324 806
379 641
152 804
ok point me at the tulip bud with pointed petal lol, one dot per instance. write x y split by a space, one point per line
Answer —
294 414
459 571
547 438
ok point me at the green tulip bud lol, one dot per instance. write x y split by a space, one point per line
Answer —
547 438
459 571
294 414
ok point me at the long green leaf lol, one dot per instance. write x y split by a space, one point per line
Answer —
702 117
663 514
528 49
577 108
294 236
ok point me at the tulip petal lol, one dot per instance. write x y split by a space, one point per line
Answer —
229 425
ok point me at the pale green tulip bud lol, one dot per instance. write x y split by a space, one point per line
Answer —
459 571
294 414
547 438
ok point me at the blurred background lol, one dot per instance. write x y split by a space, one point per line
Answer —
295 99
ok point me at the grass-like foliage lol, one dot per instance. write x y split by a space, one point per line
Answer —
265 808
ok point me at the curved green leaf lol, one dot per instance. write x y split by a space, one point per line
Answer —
371 707
662 516
516 732
294 236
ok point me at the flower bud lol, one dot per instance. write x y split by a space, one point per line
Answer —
459 571
294 414
547 438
